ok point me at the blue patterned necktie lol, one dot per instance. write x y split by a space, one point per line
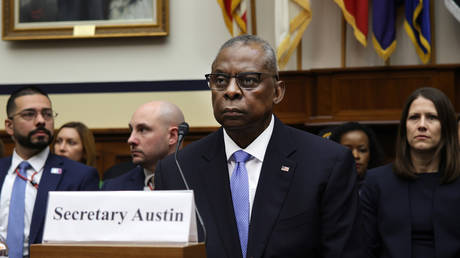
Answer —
15 232
240 195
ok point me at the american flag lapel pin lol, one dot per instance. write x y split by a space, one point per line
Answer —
285 168
56 171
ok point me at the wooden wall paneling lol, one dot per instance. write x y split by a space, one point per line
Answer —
7 142
373 96
321 101
112 147
295 106
111 153
445 80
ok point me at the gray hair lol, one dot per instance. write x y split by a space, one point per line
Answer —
270 56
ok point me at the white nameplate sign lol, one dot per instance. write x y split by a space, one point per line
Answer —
120 216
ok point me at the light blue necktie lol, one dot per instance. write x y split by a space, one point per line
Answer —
240 195
15 232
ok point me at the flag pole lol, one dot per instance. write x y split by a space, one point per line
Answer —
344 42
253 18
433 40
299 56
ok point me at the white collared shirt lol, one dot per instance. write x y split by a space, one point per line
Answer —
149 175
257 150
37 163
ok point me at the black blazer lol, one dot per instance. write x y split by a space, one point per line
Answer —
129 181
75 176
307 211
386 216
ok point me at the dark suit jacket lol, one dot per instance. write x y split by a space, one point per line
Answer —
118 170
75 177
308 211
131 180
387 220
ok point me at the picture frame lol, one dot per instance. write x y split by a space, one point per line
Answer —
72 19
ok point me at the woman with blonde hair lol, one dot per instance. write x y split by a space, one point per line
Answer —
75 141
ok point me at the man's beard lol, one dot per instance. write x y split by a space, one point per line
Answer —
27 141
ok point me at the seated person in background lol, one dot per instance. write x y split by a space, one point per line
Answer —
75 141
154 135
411 208
32 171
362 142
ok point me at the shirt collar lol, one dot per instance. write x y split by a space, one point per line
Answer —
148 175
257 148
37 161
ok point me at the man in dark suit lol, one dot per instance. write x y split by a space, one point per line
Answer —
118 170
154 128
32 171
291 195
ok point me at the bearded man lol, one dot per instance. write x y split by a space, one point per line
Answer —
32 171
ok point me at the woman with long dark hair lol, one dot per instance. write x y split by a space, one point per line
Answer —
410 208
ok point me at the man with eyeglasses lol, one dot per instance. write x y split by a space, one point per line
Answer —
265 189
32 171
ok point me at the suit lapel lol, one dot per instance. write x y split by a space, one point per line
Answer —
48 182
137 178
274 183
5 164
217 187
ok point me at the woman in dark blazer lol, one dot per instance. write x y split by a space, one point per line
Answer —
411 208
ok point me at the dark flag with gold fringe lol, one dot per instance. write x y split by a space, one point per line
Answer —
384 27
418 27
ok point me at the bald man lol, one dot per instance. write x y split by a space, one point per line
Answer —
154 134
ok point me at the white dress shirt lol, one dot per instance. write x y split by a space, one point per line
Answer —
148 182
37 163
257 150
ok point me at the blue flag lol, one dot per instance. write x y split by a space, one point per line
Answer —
383 26
417 25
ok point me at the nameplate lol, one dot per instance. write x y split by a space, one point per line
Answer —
120 216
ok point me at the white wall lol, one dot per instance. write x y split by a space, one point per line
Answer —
196 32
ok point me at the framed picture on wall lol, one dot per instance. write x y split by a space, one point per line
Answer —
67 19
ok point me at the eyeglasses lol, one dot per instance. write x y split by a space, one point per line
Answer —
246 81
31 114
